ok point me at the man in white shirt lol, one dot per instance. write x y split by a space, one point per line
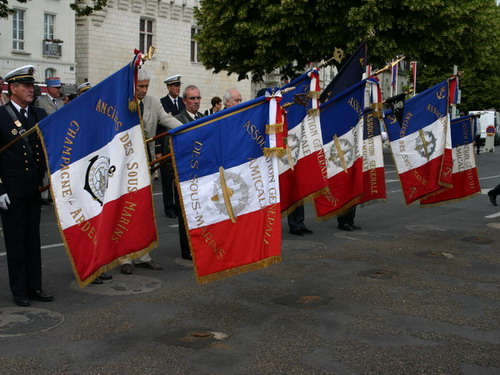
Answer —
152 114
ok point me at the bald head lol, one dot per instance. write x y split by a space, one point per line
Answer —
232 97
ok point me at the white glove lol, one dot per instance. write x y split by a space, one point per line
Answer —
4 202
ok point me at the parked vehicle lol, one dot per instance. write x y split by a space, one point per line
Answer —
485 119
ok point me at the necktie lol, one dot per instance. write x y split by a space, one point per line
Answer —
141 106
197 116
55 103
24 112
175 103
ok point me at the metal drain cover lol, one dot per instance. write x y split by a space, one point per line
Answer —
20 321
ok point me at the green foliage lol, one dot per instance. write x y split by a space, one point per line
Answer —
80 7
259 36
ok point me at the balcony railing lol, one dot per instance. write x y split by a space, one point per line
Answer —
52 49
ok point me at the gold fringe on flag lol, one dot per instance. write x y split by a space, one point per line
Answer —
376 105
314 94
274 128
338 212
313 112
238 270
454 200
274 151
309 198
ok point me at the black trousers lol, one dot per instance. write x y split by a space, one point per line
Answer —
296 219
167 185
21 227
183 238
495 191
347 217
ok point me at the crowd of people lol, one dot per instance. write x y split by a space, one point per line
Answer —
22 169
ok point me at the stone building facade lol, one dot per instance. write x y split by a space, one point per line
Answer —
105 42
41 33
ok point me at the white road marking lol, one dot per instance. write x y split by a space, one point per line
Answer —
43 247
493 215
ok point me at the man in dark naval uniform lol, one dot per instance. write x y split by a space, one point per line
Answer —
22 167
173 104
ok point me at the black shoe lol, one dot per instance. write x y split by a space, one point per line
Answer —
22 301
297 232
40 295
126 269
493 198
150 264
346 227
171 214
188 257
354 226
307 231
106 276
97 280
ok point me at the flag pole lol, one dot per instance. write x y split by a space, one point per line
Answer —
387 67
161 160
15 140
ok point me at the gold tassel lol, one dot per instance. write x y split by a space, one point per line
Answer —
314 94
274 151
313 112
274 128
133 106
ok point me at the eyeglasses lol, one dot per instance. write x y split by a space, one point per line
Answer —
194 97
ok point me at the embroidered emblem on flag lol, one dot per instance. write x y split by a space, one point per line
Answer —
229 191
342 131
464 176
421 143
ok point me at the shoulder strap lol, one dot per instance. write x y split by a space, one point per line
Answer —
19 125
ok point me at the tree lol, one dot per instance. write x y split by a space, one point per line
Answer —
81 7
259 36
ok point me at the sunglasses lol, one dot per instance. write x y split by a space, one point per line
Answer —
194 98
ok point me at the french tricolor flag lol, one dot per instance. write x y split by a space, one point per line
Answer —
99 177
421 143
303 166
342 130
230 190
373 155
464 175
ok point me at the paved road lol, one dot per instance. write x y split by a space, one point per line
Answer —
416 291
